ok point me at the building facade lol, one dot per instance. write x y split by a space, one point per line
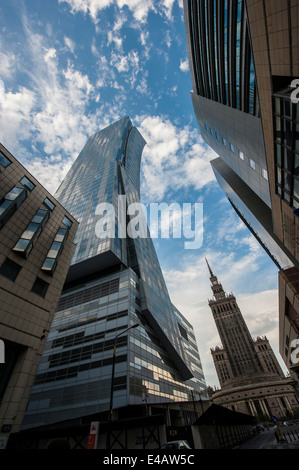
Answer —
36 247
249 374
114 282
243 58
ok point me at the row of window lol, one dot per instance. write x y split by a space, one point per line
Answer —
14 198
71 372
286 134
8 206
87 295
221 53
79 338
85 352
10 270
236 151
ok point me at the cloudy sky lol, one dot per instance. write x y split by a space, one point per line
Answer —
70 68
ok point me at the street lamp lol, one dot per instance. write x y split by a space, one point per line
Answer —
112 380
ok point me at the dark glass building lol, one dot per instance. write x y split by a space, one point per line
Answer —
244 66
112 284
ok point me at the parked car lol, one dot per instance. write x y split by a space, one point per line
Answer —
181 444
288 423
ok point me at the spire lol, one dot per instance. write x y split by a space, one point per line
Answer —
216 286
211 272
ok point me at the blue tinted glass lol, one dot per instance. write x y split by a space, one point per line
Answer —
49 263
14 193
4 161
30 231
40 216
5 204
54 250
49 204
27 183
66 221
61 234
22 245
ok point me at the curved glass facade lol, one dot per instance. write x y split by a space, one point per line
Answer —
112 284
220 53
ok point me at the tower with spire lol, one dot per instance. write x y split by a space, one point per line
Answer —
239 356
249 374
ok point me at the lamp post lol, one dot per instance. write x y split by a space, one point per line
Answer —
112 381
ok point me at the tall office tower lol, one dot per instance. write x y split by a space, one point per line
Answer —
36 247
243 57
112 284
249 374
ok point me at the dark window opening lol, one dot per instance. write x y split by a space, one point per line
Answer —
40 287
10 269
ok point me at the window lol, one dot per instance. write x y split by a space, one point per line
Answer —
49 204
265 174
252 164
66 221
4 161
10 203
27 183
218 136
40 287
54 253
183 331
286 127
224 141
10 269
32 232
241 155
232 147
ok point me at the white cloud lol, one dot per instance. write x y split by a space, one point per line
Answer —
50 55
167 7
49 115
139 8
173 157
184 65
114 35
70 44
127 64
7 61
15 112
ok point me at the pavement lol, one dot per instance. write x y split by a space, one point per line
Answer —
275 445
267 440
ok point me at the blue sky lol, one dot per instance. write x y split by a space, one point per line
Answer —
70 68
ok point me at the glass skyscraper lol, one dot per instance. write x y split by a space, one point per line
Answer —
244 67
227 108
112 284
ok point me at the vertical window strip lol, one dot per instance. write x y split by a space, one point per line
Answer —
238 52
216 48
225 51
201 55
251 86
33 230
207 40
194 41
10 203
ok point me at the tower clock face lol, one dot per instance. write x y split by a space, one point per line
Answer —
214 283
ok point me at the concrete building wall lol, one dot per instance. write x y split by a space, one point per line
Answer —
25 315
